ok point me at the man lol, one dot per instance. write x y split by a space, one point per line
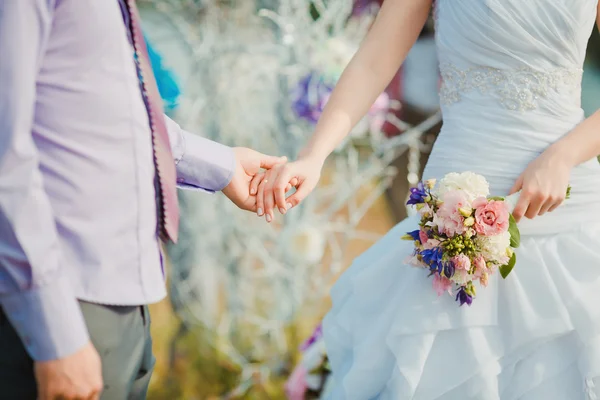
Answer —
88 165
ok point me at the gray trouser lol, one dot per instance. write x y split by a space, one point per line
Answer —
121 336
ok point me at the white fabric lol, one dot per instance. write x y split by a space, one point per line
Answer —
535 335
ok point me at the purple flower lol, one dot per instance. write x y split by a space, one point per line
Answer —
463 297
417 194
316 335
449 269
416 235
310 96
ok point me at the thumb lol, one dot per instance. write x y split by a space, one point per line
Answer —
301 192
517 186
268 162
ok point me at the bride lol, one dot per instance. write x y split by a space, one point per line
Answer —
511 87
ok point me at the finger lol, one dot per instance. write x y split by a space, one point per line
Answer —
556 204
301 192
521 207
535 206
294 182
260 197
546 206
256 180
279 192
517 186
268 162
269 199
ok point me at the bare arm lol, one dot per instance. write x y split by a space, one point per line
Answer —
394 32
544 182
583 143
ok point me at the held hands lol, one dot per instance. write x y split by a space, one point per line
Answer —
248 164
543 185
76 377
271 186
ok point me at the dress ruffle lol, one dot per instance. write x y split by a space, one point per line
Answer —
533 336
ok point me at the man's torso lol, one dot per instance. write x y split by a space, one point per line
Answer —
91 129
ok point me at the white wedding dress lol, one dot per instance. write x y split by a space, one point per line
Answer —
511 86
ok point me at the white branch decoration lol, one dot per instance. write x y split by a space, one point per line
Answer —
231 272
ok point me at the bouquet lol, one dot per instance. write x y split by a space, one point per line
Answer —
464 235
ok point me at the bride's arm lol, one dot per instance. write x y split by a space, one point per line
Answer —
394 32
544 182
583 143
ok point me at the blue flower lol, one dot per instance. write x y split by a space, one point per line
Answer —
463 297
433 258
417 194
414 235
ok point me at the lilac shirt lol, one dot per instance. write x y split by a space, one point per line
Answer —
77 204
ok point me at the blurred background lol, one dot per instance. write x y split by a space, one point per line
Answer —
246 297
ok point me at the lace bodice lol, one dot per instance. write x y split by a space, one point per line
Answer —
517 54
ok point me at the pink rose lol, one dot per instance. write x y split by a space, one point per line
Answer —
441 284
448 218
491 218
461 262
295 387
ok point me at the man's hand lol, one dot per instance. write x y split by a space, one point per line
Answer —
248 164
77 377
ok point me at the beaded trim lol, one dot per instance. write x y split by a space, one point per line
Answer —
517 89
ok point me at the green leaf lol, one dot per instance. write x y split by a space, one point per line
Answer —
515 235
568 195
496 198
505 269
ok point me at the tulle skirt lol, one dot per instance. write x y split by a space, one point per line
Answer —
533 336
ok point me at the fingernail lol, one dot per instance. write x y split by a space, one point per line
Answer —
268 217
259 212
252 191
288 205
282 210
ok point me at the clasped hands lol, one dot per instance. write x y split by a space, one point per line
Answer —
260 182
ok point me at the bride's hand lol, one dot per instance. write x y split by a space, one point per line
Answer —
259 180
543 185
303 174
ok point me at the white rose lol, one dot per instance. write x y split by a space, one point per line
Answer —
493 248
472 184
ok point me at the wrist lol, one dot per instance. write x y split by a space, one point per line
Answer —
313 156
562 153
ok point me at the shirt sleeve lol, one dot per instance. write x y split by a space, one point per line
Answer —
202 164
35 294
